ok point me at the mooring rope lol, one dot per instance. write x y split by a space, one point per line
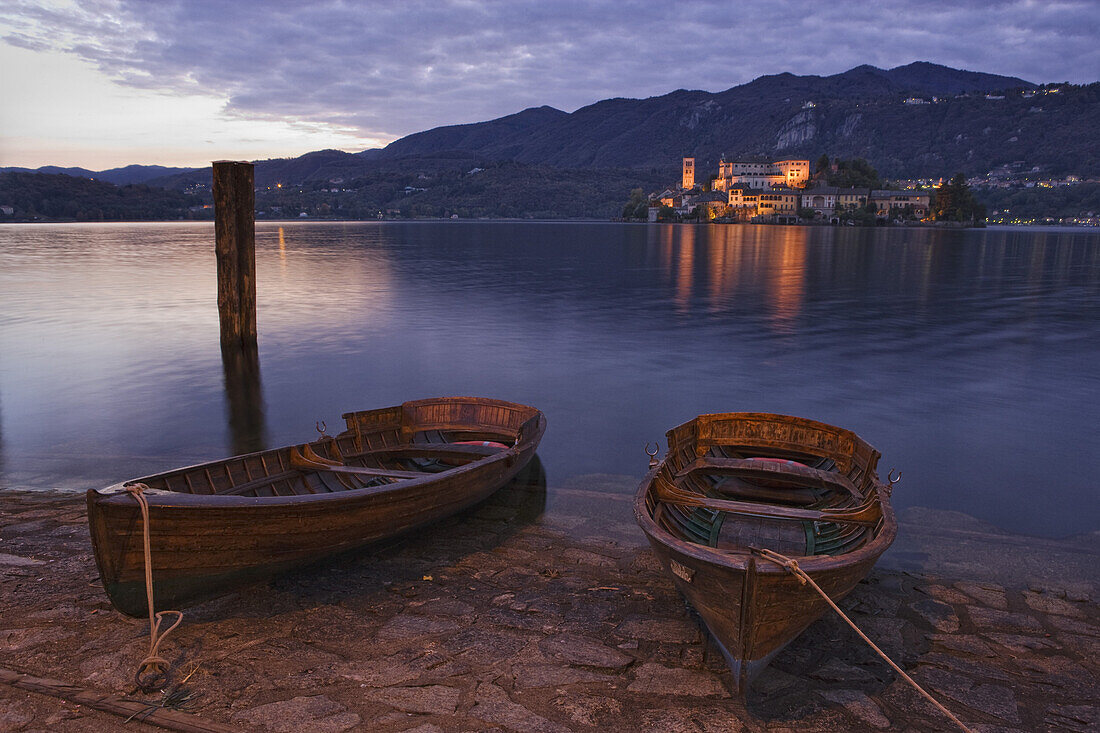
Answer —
791 565
153 662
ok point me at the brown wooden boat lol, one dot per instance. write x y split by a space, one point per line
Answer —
216 526
736 483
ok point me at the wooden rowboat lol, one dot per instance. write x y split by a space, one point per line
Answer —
216 526
736 484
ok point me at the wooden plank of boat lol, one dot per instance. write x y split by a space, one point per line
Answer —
868 515
312 462
427 450
754 608
793 474
733 486
218 525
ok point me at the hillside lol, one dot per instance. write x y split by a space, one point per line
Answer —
429 186
861 112
976 123
442 185
46 196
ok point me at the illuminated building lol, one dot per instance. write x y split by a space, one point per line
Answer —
761 174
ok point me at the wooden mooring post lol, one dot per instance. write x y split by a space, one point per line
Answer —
235 246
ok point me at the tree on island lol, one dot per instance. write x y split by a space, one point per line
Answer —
864 216
637 207
854 173
954 202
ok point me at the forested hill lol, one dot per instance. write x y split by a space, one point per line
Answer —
45 196
427 186
890 117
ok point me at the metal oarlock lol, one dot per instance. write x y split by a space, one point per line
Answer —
653 456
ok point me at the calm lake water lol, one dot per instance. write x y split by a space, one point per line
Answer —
970 359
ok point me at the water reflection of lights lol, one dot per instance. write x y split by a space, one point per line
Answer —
685 270
786 278
327 280
772 259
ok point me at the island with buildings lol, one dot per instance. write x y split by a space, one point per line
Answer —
782 192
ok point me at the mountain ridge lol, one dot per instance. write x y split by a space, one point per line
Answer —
605 133
123 176
980 121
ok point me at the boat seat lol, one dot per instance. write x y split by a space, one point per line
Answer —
428 450
797 476
734 487
867 513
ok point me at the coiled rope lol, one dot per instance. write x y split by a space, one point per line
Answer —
791 565
153 672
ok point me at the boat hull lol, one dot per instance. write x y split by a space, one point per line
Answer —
751 606
206 544
753 610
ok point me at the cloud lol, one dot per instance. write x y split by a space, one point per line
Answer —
387 69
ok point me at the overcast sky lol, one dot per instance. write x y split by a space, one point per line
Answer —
100 83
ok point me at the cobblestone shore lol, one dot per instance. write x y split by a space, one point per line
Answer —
545 611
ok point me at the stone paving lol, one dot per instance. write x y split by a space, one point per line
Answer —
545 611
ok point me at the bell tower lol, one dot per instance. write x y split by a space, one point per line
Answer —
689 174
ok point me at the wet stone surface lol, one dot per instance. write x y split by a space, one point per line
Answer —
510 618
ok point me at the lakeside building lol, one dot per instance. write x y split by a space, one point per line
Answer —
715 202
827 199
670 198
827 202
775 204
761 174
910 202
743 202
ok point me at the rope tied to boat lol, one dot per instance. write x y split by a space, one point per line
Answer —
792 567
153 671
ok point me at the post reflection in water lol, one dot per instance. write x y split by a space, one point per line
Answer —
244 398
